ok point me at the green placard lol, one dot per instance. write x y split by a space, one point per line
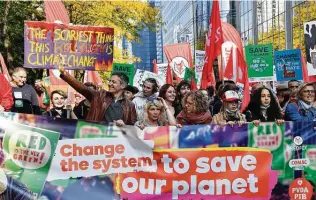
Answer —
286 176
260 63
29 153
189 74
128 69
310 170
90 130
268 136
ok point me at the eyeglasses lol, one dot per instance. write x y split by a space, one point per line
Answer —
309 91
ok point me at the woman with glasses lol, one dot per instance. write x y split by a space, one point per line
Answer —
155 112
302 109
265 107
195 110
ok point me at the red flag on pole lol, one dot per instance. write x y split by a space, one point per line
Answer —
4 69
169 79
179 57
240 76
193 84
213 45
55 10
155 70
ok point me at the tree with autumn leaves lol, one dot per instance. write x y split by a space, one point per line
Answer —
126 17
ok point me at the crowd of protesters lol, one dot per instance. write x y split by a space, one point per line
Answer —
154 105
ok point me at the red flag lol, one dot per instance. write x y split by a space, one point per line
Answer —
306 78
212 46
169 79
4 69
193 84
55 10
155 70
179 57
94 77
240 76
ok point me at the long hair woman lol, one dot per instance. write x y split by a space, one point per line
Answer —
195 110
155 112
266 107
168 93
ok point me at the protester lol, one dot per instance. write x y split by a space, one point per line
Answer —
6 99
25 97
150 89
283 96
60 110
168 93
82 109
265 107
217 104
155 112
229 113
293 84
195 110
130 92
302 109
183 88
42 94
106 106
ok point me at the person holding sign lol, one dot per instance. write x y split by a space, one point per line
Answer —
265 107
106 106
6 99
230 113
196 110
25 97
302 109
155 112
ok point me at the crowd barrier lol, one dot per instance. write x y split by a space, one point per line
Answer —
70 159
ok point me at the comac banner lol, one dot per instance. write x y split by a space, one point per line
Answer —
81 47
92 161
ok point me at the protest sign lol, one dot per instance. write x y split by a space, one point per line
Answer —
99 156
288 65
142 75
269 136
199 63
309 35
310 153
127 69
226 173
29 153
162 70
81 47
259 60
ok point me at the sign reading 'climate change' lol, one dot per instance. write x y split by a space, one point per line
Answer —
81 47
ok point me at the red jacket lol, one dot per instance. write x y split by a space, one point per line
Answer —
6 98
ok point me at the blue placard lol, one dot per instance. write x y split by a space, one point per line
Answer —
288 65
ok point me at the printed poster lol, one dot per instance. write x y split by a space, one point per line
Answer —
29 153
199 63
162 69
260 64
81 47
268 136
310 41
127 69
288 65
142 75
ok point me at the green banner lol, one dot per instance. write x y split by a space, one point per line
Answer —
286 176
128 69
189 74
89 130
268 136
260 63
29 153
310 170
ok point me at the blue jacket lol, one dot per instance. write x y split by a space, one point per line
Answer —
295 112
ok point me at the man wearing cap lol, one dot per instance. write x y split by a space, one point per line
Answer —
230 113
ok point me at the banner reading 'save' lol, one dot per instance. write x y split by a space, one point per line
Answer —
223 173
29 153
82 47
